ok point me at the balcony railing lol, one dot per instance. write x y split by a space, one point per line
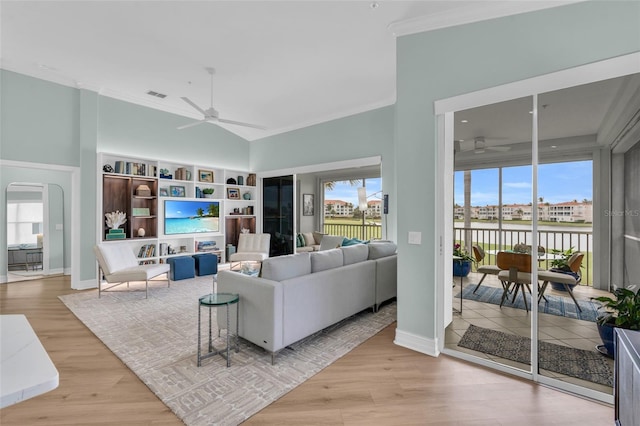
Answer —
487 238
361 232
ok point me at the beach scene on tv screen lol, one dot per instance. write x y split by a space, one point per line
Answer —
188 217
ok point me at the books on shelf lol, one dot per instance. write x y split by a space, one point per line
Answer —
206 246
147 250
134 168
116 234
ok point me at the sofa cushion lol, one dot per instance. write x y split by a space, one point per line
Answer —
381 249
330 242
299 240
327 259
355 254
308 239
285 267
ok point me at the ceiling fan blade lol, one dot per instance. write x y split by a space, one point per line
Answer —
187 100
195 123
240 123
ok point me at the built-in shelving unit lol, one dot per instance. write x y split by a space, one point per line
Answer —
141 187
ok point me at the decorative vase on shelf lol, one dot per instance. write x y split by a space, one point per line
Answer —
461 268
246 195
141 232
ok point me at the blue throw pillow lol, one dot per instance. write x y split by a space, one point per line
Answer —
351 242
299 241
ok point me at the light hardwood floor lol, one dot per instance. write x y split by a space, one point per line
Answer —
378 383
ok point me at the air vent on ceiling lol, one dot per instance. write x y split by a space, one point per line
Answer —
156 94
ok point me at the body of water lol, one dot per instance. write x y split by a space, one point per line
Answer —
191 225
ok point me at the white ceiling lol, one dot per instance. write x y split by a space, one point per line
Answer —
283 65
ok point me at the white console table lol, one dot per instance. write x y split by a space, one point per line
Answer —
25 367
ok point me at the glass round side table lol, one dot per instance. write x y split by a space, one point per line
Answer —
216 300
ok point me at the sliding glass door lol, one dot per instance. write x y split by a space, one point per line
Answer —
278 213
530 176
492 214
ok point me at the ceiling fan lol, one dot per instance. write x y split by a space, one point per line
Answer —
211 115
479 146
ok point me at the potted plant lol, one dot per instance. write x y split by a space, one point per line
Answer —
622 310
461 267
208 192
561 264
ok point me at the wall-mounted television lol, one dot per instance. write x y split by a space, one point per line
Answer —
191 216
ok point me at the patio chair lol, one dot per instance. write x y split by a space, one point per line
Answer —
568 281
479 255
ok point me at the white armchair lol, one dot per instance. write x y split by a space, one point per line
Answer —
251 247
119 264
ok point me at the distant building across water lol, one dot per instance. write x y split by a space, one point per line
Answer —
569 211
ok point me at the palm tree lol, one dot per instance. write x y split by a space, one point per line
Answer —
331 184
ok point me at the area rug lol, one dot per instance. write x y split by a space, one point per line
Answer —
579 363
556 305
157 339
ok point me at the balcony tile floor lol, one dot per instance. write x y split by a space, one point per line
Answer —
553 329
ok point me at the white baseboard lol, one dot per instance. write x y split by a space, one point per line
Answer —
417 343
85 284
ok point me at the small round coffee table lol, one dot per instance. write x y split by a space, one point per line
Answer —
215 300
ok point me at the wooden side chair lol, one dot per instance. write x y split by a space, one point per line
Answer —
515 269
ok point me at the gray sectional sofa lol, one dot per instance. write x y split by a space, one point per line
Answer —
300 294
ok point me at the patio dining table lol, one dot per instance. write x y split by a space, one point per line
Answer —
541 256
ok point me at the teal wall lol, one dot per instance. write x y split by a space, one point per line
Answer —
452 61
47 123
130 129
357 136
39 121
362 135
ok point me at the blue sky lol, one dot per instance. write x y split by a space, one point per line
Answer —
345 192
557 182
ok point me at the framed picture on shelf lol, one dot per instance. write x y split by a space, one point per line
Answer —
164 192
307 205
233 193
177 191
205 176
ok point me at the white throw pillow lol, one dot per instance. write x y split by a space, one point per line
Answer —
308 239
330 242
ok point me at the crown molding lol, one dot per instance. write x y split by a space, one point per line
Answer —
467 14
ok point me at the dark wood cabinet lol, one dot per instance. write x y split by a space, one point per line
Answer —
233 227
120 193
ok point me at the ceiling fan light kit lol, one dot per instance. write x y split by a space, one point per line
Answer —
211 115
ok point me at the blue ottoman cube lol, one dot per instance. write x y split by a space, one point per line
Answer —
206 264
182 267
